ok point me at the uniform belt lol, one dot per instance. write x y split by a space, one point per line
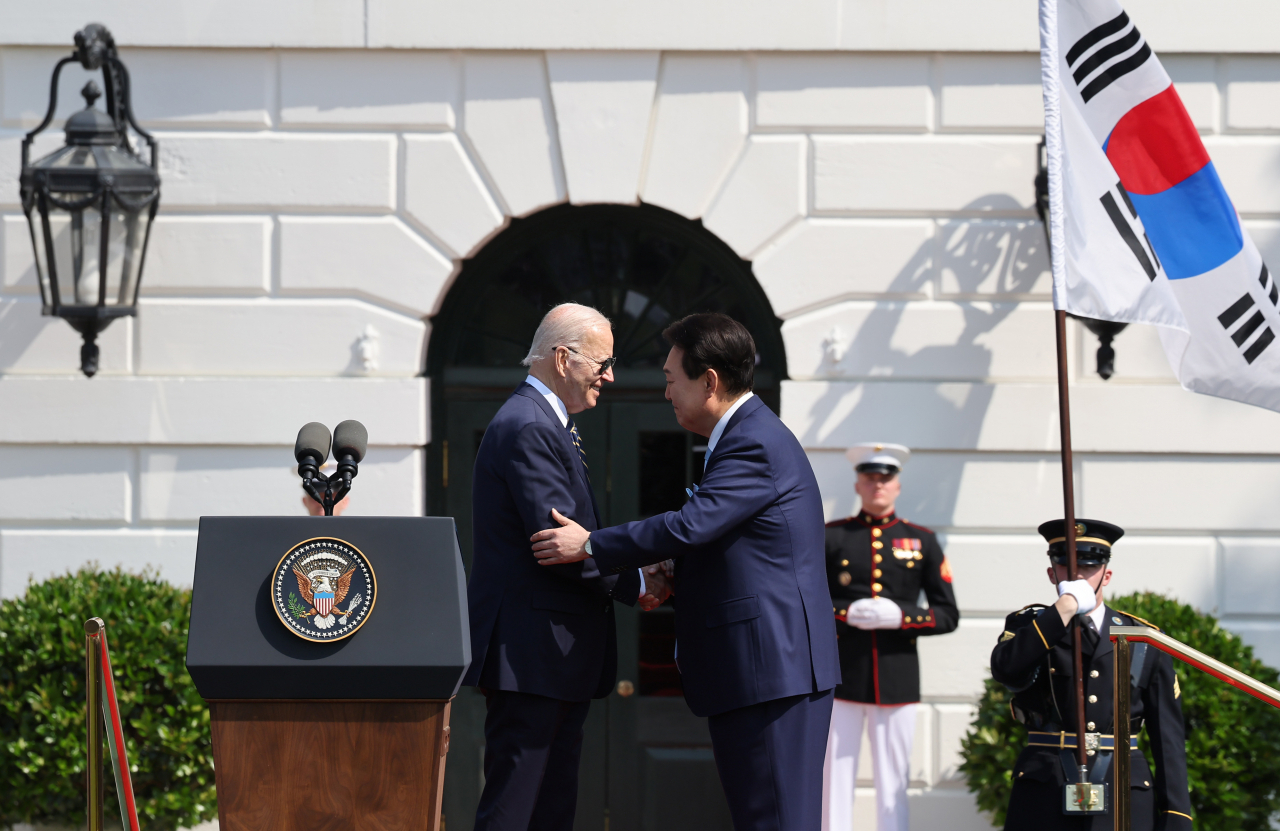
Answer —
1092 741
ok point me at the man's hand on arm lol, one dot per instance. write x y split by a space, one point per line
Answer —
567 544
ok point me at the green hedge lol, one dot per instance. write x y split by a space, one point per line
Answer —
1232 763
42 702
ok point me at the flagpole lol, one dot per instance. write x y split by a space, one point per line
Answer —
1068 467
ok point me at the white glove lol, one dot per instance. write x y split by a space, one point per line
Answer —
1082 592
874 613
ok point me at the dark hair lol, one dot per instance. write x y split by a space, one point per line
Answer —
715 341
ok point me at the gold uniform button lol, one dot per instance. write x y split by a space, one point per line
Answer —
1092 726
875 587
1093 699
1090 752
844 563
877 544
1146 784
1093 674
844 578
878 558
875 532
910 564
876 573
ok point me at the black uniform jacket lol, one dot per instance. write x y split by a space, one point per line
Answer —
886 557
1033 658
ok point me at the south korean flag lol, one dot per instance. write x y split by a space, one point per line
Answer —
1142 230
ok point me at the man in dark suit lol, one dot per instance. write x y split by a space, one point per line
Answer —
542 639
755 642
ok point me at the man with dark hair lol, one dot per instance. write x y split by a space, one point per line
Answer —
755 642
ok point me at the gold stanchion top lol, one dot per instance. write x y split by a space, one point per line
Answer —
94 626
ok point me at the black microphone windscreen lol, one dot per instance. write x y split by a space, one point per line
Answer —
313 440
350 439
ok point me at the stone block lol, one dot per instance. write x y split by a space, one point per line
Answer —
1180 567
207 411
835 482
1262 635
185 483
284 24
952 722
925 339
1195 78
995 574
956 664
508 118
1139 356
603 105
950 808
17 263
416 90
445 194
285 171
1253 92
25 74
374 257
31 343
992 258
922 25
821 261
699 127
36 554
1250 170
1265 234
1181 493
1250 569
990 92
218 253
764 193
1106 417
924 173
276 337
66 483
824 91
185 88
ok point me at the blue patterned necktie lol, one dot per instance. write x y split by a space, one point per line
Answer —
577 442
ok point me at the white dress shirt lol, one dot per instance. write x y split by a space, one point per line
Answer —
1096 617
563 412
722 423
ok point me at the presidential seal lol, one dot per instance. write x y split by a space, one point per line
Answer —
323 589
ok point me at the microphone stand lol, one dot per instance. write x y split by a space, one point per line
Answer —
327 490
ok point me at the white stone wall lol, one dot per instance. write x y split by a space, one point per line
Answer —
873 160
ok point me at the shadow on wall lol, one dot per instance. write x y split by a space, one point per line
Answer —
980 259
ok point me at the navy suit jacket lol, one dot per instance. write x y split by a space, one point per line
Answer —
753 622
546 630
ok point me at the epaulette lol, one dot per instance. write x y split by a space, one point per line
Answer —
836 523
916 525
1029 607
1140 620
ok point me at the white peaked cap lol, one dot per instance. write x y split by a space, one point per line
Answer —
878 453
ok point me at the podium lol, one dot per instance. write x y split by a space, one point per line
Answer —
329 650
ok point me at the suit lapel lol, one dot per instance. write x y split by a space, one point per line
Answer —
1104 640
529 391
745 410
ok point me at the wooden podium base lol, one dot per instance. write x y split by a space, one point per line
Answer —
329 765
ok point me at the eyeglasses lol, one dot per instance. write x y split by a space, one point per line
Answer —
605 365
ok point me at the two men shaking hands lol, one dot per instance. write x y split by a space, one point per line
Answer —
756 643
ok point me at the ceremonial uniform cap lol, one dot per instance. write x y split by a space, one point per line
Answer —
1094 539
878 457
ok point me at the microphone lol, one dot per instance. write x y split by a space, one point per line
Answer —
350 441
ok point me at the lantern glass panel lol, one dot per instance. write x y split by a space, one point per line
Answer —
76 237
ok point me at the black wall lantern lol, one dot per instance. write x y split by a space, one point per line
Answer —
91 203
1106 330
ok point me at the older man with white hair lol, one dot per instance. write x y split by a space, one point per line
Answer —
542 639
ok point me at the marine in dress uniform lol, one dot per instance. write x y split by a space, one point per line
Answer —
877 565
1033 658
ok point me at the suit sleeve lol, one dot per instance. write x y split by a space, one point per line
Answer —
1027 638
737 487
538 477
942 615
1165 730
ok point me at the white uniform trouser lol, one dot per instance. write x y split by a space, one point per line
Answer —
892 731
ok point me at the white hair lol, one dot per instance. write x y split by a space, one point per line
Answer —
565 325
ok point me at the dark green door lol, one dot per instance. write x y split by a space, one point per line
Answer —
646 761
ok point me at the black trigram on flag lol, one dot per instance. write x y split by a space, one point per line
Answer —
1149 264
1108 58
1240 308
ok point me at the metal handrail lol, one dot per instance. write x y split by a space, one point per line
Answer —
1124 637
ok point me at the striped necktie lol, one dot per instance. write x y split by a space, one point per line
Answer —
577 442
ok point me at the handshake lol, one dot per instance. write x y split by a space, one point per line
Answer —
659 584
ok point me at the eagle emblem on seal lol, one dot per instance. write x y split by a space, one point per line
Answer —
323 589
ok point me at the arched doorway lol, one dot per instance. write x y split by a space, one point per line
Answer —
643 267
